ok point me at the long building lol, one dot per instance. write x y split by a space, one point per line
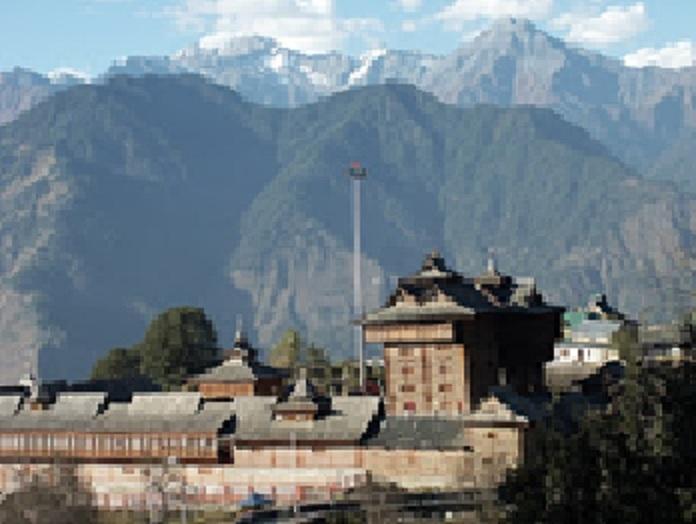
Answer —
459 353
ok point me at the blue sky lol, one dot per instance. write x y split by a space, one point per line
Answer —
87 35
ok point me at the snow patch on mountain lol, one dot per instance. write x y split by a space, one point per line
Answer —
68 76
366 61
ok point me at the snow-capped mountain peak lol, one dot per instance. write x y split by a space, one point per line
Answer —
359 75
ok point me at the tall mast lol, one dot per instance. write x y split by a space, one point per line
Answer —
357 173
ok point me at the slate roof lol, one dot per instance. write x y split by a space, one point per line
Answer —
502 408
233 371
436 292
348 421
69 412
147 412
210 417
9 404
420 432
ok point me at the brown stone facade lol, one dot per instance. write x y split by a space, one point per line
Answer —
426 378
439 375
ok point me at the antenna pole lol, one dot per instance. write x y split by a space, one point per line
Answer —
357 173
357 278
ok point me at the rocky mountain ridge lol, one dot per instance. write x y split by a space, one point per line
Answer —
127 198
647 117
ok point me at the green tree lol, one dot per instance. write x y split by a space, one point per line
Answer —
632 461
287 352
315 360
119 363
178 343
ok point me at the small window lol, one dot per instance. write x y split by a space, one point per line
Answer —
409 406
405 352
444 388
408 388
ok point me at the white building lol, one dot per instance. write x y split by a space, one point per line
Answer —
590 342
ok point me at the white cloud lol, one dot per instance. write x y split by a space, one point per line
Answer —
674 55
408 26
614 24
409 5
310 26
458 13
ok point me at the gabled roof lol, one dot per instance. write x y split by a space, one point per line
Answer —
9 404
234 371
347 422
209 417
147 412
241 365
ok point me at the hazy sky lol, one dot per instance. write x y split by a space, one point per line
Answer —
87 35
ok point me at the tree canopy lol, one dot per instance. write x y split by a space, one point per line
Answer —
178 343
633 460
119 363
286 353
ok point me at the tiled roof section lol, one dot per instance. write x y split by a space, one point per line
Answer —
437 292
69 412
209 418
502 408
165 404
348 421
420 433
234 371
79 404
156 412
9 404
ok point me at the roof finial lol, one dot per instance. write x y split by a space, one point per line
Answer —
434 262
491 267
240 339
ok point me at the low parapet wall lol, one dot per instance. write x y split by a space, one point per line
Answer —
142 487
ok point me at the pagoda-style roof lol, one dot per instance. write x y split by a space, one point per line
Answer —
438 293
240 365
301 414
348 420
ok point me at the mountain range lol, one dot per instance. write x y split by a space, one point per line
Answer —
646 117
124 198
